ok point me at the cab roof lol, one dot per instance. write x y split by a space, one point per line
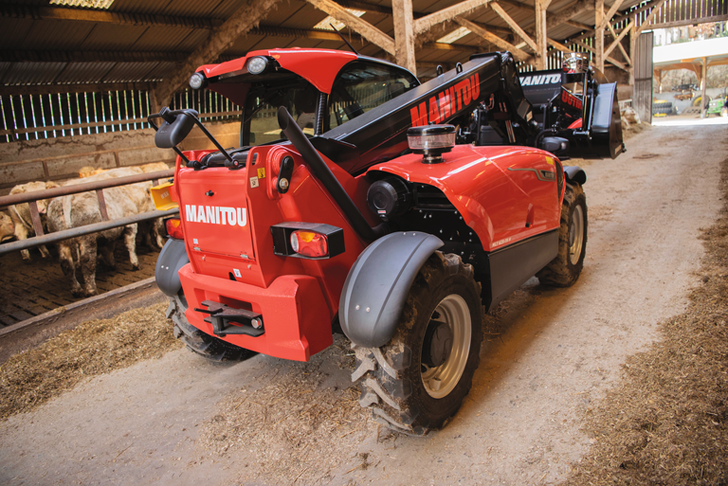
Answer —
317 66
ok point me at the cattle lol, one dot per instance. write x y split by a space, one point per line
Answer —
151 167
76 210
7 228
81 209
20 214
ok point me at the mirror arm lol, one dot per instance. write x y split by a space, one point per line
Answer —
167 114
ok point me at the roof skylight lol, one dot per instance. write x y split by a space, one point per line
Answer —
97 4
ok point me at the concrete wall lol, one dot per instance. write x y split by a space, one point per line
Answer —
61 158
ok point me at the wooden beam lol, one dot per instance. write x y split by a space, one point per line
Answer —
476 29
700 20
541 7
559 46
362 27
514 26
452 47
73 88
105 17
219 41
610 14
14 55
618 41
566 14
653 12
620 65
599 35
703 86
404 36
593 51
464 8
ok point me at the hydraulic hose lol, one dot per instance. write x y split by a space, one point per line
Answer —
322 172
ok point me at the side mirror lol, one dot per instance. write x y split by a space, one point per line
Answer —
175 127
555 145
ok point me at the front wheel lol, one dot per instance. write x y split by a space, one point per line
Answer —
209 347
564 270
418 380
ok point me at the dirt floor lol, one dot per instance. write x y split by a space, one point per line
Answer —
550 360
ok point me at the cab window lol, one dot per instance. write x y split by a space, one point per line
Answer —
362 86
261 109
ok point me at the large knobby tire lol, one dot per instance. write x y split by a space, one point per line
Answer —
564 270
209 347
412 383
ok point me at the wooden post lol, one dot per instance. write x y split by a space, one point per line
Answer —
704 86
599 35
632 54
404 34
541 34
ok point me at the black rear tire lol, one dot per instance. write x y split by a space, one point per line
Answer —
209 347
564 270
410 384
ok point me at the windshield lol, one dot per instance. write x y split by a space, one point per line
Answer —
261 110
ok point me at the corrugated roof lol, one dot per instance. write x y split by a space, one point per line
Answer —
152 35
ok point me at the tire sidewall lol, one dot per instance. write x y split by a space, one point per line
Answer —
575 268
430 408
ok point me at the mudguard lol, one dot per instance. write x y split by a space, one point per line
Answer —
376 288
172 257
575 173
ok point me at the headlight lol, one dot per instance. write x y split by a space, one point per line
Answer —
198 81
257 65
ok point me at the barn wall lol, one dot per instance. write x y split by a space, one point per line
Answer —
61 158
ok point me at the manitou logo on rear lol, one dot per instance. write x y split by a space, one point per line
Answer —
446 103
541 79
216 215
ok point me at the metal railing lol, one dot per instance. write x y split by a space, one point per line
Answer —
41 238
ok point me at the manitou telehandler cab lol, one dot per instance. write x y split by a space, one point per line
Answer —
362 200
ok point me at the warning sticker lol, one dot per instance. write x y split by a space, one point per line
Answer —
261 173
254 182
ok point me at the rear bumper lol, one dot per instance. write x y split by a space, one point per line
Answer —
296 318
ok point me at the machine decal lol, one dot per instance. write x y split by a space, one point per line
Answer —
571 100
542 175
221 215
539 80
447 102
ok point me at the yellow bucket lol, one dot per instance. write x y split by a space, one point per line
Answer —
162 196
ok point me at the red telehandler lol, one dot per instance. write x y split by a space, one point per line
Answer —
361 200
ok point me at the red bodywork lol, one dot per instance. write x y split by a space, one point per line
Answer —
318 66
495 189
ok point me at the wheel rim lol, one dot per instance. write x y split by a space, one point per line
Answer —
439 381
576 235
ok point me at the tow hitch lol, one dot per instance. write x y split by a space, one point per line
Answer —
221 317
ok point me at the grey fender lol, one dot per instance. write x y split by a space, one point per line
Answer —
376 288
172 257
575 174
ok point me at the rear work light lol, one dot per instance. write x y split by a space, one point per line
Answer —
311 241
431 141
174 228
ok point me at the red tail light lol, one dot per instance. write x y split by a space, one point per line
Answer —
174 228
307 240
309 243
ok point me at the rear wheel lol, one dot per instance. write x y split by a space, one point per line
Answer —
207 346
564 270
418 380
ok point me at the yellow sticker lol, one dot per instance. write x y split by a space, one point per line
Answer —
549 161
261 173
